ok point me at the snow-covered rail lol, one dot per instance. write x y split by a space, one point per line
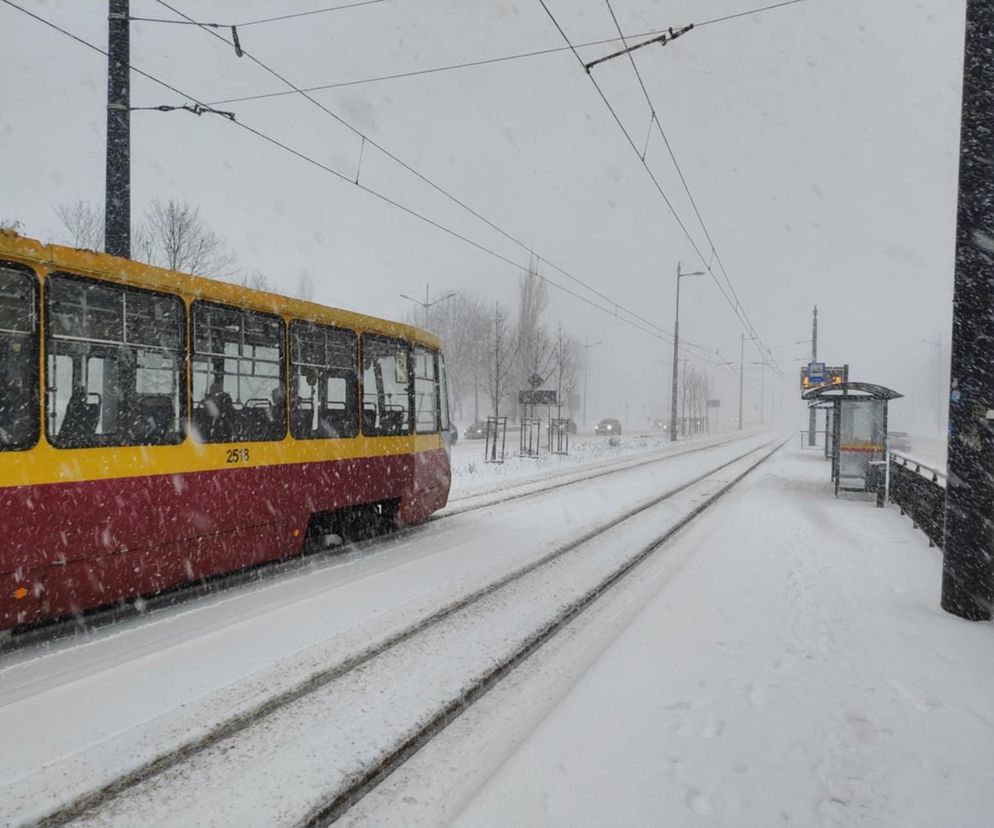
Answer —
474 641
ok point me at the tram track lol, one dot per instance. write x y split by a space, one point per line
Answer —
363 781
86 623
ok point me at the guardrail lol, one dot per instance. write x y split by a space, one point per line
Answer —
819 438
919 492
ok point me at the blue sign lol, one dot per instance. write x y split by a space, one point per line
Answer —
816 372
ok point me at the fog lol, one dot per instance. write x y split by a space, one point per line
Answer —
819 141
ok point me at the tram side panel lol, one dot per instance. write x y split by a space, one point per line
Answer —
67 547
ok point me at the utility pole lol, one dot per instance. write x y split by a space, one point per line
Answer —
812 414
676 348
117 195
742 347
967 564
586 373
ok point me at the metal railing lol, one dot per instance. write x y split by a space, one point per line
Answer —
919 492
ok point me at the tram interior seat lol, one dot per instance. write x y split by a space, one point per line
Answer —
156 416
301 417
79 425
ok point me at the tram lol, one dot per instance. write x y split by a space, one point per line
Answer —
158 428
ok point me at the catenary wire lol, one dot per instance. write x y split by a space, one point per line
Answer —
654 120
658 333
422 177
739 312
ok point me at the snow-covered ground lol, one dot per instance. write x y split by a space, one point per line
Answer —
84 712
786 662
781 660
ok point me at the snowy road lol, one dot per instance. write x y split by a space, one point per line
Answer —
86 714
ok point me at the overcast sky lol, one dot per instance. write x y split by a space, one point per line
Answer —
820 142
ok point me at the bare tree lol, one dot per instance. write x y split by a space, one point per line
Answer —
178 238
502 352
566 359
257 280
11 224
83 224
535 347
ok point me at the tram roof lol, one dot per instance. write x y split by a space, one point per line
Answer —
17 248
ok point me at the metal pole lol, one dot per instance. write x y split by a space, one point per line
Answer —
586 377
117 194
812 423
676 348
762 394
742 345
968 566
427 305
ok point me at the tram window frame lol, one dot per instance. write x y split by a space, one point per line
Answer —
323 426
135 427
444 412
32 377
419 412
375 426
227 422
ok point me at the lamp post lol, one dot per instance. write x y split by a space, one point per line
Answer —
676 348
426 304
586 373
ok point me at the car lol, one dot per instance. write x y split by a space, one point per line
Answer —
475 431
451 434
567 426
608 427
898 441
660 423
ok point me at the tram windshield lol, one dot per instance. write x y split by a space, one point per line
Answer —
18 359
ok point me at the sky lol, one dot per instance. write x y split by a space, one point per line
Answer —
820 142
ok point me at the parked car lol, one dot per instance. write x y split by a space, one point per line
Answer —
476 431
608 427
451 434
898 441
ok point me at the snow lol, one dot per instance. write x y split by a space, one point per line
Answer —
786 663
781 660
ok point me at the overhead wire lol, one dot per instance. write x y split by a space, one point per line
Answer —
654 120
367 139
736 307
654 330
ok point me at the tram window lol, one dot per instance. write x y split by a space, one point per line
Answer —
19 419
425 392
115 365
386 386
443 394
237 373
323 383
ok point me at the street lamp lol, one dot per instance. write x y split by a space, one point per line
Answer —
586 373
676 348
426 304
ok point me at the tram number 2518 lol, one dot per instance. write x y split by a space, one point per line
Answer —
237 456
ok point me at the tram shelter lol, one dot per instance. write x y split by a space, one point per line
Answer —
858 431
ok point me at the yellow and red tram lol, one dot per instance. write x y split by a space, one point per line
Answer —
158 428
